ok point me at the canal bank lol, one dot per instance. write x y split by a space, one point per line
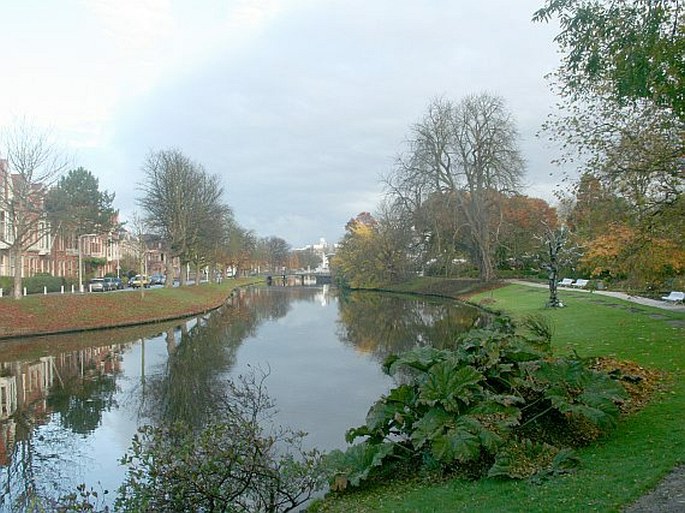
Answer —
67 313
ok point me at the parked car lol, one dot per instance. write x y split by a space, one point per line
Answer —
97 285
114 283
139 280
157 279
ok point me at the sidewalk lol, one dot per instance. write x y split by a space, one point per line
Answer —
619 295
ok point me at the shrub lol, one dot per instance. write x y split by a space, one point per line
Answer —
234 463
237 462
498 405
35 284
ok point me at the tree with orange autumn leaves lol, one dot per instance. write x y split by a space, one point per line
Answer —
641 258
620 243
525 220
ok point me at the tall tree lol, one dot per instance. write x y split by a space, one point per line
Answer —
211 218
355 262
75 205
241 247
35 162
166 201
181 203
467 151
622 115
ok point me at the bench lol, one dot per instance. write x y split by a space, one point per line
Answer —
580 283
674 297
566 282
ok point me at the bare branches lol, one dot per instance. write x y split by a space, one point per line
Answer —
467 153
33 155
35 162
183 204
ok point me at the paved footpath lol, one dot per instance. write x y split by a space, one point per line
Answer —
669 494
656 303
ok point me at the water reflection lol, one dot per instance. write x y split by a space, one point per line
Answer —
188 384
44 401
383 324
69 405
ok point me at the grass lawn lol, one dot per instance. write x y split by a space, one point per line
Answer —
616 470
59 313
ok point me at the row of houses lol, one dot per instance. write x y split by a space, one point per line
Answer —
57 254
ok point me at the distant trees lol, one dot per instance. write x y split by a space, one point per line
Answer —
373 251
240 248
35 163
273 252
524 221
305 258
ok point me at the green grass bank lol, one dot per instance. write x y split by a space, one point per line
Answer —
617 469
63 313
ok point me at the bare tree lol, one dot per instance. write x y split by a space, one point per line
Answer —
211 218
167 202
139 227
34 163
466 152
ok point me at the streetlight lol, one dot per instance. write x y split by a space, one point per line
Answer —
80 265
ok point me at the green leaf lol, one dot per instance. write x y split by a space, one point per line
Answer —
450 387
456 445
358 461
434 423
420 359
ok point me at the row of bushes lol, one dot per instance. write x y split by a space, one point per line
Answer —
36 284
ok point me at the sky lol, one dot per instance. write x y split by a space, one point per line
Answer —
299 106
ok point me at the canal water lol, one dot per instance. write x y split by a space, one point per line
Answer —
70 404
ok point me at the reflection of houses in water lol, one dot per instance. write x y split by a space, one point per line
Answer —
23 384
24 387
8 405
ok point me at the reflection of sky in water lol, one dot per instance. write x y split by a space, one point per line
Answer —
320 385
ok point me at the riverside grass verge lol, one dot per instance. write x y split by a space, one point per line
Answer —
616 470
64 313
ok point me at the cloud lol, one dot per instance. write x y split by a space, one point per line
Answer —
299 105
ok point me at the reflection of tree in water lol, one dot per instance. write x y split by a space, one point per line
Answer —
191 384
384 324
81 402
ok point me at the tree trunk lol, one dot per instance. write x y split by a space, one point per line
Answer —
170 275
18 264
182 274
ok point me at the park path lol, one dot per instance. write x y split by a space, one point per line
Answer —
656 303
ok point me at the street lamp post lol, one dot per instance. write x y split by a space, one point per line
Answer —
80 263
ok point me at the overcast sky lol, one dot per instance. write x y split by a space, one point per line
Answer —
298 105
